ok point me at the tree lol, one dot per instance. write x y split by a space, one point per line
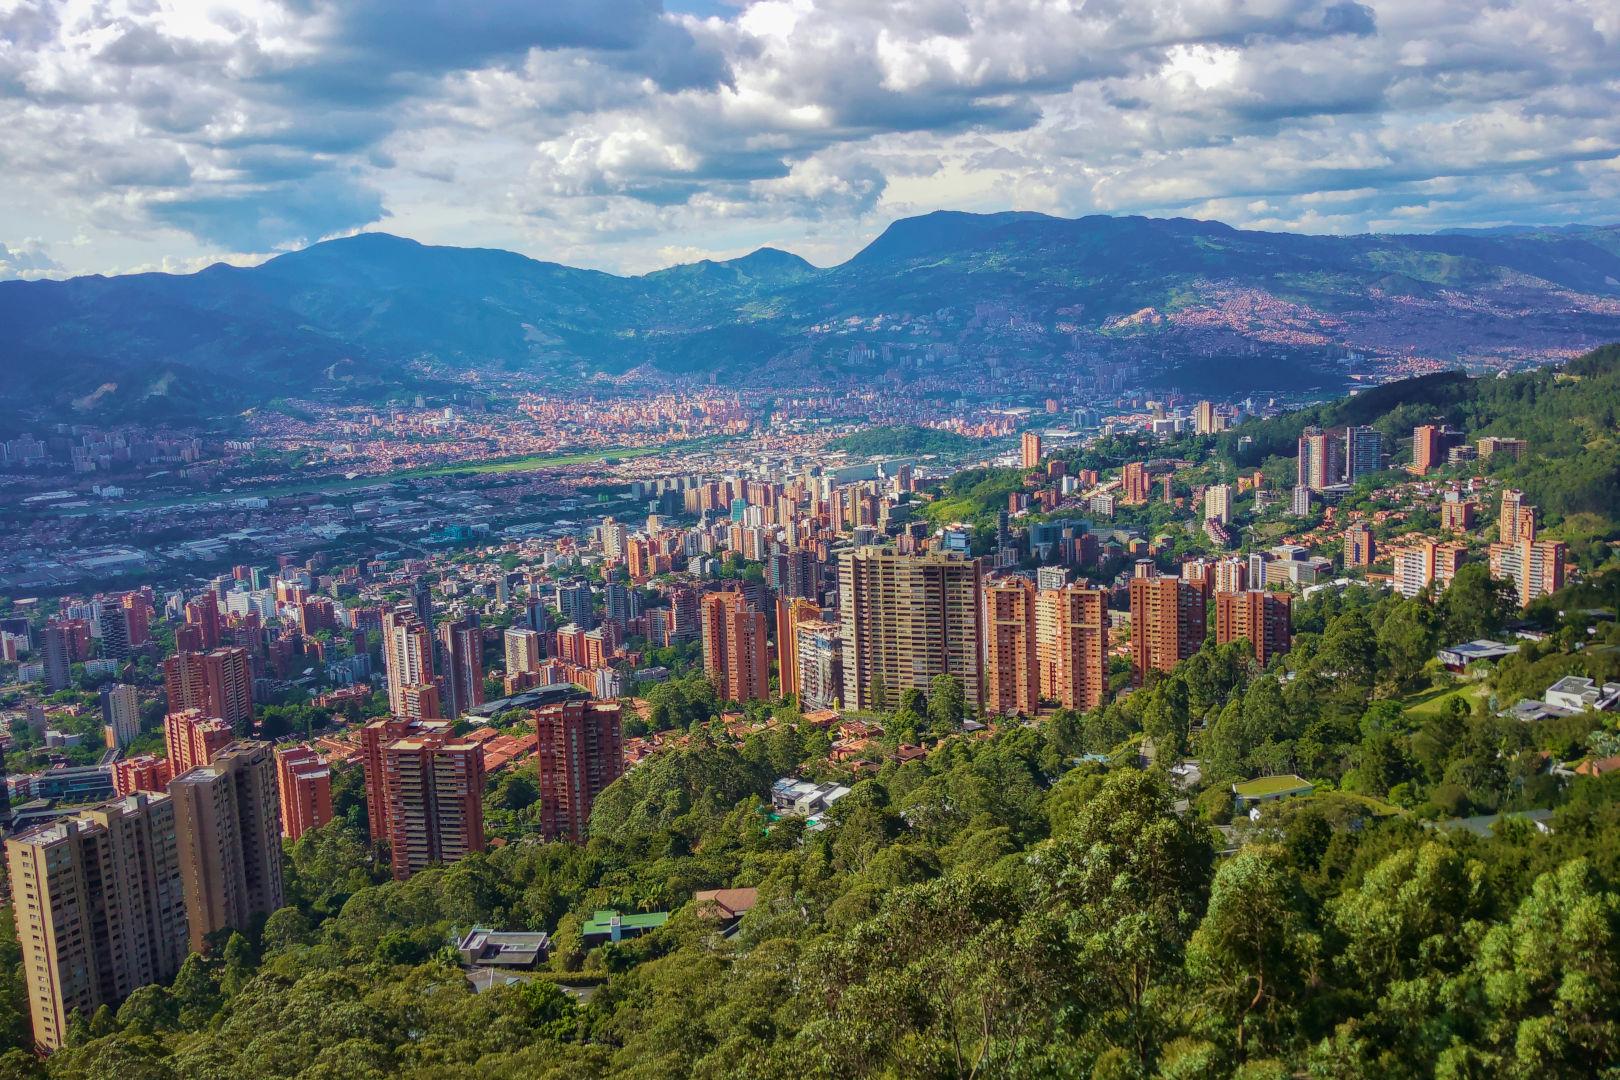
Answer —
1552 976
1475 604
1406 641
878 691
947 704
1254 950
1122 888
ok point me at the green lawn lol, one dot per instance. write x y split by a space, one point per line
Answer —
1434 702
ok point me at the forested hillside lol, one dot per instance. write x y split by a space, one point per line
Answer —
1568 416
1036 904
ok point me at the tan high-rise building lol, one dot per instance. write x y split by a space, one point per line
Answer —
192 738
735 648
580 752
1168 624
1031 450
1518 520
227 824
435 792
304 784
99 908
1011 676
790 614
1457 516
1536 567
219 683
1359 548
1204 418
1318 465
906 619
1265 618
524 650
1427 449
408 655
374 737
1218 503
1135 482
1072 642
1425 562
1231 575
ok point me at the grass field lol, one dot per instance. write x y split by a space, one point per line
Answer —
1434 702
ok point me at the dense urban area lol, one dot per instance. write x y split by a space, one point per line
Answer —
1039 730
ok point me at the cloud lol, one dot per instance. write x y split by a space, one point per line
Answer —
28 260
618 132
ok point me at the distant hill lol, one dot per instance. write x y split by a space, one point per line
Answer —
904 439
1189 303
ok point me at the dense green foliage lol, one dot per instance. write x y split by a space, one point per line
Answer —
905 439
1029 905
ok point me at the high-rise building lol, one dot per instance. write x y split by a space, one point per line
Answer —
789 614
218 683
1231 575
1318 465
1072 642
734 647
685 620
460 667
1011 676
434 785
421 702
227 825
422 602
1518 520
525 650
304 784
1204 419
1363 452
1301 501
1359 547
1425 562
191 738
1031 450
99 908
1428 448
58 657
1265 618
580 753
906 619
1514 448
408 655
143 772
203 614
114 626
1136 482
1168 624
121 714
1218 503
575 605
1457 516
373 738
1536 567
819 666
622 604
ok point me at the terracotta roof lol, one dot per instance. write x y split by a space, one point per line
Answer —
725 903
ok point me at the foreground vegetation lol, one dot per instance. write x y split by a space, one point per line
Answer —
1034 904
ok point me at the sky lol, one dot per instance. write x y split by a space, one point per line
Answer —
627 135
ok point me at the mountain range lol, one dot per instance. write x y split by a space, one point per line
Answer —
1182 300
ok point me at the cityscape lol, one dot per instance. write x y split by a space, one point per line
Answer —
1138 598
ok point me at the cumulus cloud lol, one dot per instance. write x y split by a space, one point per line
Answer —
619 132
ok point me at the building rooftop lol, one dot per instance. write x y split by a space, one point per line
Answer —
1264 786
602 921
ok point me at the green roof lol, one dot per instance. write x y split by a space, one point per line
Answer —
1262 786
602 921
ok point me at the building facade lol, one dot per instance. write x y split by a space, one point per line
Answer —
580 752
227 821
907 618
